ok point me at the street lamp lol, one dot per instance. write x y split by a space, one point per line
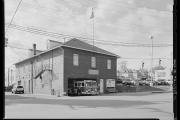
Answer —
151 84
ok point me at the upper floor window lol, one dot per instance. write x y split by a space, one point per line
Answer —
108 64
75 59
93 62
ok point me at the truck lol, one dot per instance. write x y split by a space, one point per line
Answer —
83 87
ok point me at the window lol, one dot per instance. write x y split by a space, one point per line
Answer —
93 62
75 84
75 59
110 82
108 64
79 84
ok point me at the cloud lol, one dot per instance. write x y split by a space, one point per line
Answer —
115 20
111 10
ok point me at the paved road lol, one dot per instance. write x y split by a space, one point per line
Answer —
138 105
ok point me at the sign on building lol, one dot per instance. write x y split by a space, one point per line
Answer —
110 82
93 72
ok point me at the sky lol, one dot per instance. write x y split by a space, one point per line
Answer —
124 21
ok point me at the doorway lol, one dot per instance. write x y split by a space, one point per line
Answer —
101 86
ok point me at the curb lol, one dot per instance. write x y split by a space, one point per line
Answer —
162 91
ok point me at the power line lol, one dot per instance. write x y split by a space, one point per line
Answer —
146 58
17 47
13 16
104 42
121 58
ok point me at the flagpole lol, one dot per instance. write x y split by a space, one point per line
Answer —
93 32
93 27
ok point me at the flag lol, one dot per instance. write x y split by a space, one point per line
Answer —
92 14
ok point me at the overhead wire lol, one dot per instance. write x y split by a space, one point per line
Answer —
104 42
13 16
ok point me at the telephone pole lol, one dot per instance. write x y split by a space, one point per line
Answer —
11 76
151 84
8 77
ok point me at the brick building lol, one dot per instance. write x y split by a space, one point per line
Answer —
54 69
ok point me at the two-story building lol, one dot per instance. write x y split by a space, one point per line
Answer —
57 67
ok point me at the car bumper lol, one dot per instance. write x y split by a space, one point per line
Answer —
22 91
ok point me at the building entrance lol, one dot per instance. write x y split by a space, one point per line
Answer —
82 86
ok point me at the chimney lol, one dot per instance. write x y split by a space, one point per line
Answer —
142 65
34 49
159 62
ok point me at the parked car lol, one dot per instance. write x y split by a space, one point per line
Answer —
119 82
18 89
143 82
128 82
161 82
170 82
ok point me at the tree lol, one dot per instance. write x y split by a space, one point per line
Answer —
123 66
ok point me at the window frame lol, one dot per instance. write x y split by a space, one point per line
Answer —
109 64
75 60
93 62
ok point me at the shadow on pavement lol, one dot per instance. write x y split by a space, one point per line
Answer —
15 99
156 110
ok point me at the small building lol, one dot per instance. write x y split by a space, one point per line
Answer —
55 69
162 74
142 74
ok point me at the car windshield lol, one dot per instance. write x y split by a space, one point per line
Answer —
88 84
19 86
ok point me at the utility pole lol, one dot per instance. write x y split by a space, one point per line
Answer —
142 65
11 76
32 76
34 53
8 77
151 37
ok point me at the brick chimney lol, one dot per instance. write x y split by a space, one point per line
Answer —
142 65
34 49
159 62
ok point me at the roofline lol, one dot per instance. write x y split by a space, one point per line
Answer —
37 55
91 51
65 46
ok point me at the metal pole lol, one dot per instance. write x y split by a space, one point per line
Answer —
11 76
93 33
152 62
32 76
8 77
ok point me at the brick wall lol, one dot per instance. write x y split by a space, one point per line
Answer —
81 71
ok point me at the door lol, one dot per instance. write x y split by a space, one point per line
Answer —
29 86
101 85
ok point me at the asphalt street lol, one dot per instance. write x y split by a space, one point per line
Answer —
129 105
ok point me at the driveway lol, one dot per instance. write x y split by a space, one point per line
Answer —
154 105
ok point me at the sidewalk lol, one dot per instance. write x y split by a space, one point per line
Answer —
116 96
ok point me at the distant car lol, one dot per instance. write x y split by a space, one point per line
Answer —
143 82
18 89
170 82
162 82
128 82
